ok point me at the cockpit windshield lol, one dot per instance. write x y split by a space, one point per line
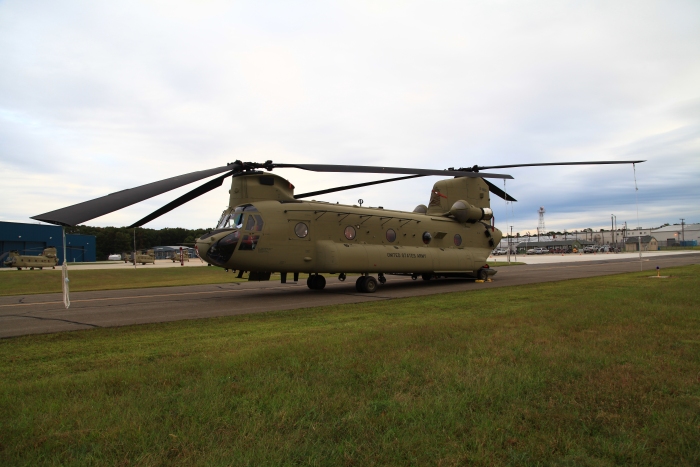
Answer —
234 219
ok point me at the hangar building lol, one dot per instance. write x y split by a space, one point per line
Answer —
31 239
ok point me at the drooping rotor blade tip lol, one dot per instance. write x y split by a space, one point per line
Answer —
82 212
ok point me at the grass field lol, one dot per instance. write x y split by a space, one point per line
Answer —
601 371
49 281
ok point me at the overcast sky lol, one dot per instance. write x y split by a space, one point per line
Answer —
96 97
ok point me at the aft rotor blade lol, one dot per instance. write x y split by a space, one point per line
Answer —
498 192
387 170
189 196
350 187
476 168
81 212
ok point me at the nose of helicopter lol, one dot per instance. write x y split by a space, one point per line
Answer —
217 247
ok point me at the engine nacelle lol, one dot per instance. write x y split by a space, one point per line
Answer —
465 212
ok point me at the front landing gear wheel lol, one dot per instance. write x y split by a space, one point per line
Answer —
360 283
482 275
316 282
427 277
342 277
381 278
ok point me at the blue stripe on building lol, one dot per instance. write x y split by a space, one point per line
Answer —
31 239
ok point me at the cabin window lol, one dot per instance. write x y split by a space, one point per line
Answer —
458 239
427 237
301 229
390 235
350 232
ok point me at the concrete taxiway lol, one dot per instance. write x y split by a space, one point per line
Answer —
35 314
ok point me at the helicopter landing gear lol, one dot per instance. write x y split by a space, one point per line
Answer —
414 276
316 282
342 277
427 276
366 284
381 278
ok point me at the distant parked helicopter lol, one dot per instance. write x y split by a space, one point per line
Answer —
267 228
47 259
183 255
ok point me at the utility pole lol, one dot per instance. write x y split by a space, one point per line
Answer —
683 231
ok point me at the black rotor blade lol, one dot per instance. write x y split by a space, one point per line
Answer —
81 212
350 187
498 192
476 168
386 170
189 196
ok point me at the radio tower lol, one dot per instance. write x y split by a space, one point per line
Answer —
540 227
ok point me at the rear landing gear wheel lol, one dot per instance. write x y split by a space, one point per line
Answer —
370 285
381 278
366 284
427 277
316 282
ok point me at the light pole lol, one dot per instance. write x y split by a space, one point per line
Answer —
682 231
613 221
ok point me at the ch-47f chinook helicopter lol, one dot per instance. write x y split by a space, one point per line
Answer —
267 228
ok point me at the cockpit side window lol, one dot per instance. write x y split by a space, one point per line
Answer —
237 220
250 223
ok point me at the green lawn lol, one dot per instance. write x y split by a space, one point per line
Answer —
49 281
603 371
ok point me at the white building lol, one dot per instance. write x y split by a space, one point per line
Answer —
675 234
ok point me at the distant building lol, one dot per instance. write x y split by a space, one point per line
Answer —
677 235
648 242
554 244
31 239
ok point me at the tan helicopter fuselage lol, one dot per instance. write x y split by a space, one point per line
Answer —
269 231
140 257
47 259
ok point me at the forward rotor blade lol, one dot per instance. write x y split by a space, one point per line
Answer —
476 168
81 212
189 196
387 170
498 192
350 187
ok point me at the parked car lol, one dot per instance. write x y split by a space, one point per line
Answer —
500 251
538 250
590 249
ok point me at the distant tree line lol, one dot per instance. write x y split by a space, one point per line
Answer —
111 240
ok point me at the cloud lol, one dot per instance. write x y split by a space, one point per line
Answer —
98 97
